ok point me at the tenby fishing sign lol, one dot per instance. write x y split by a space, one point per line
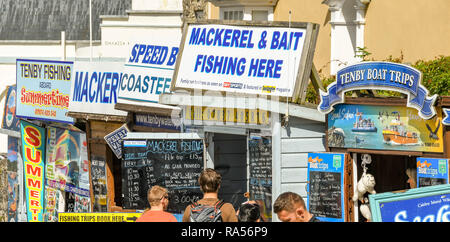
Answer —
380 76
43 89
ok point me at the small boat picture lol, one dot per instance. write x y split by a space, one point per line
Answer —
396 134
363 125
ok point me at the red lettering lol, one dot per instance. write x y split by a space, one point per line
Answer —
35 158
32 136
34 194
37 171
34 203
34 183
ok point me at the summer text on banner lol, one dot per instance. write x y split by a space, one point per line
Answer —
380 76
33 152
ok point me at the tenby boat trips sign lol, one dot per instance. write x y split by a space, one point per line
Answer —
380 76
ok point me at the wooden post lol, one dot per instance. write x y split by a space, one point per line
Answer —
348 189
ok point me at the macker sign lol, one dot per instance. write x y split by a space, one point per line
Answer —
253 59
95 88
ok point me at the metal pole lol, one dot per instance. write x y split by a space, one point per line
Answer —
63 45
90 27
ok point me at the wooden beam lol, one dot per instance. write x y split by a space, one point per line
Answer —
100 117
315 80
306 63
145 109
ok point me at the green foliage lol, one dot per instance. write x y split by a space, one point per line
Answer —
435 75
362 53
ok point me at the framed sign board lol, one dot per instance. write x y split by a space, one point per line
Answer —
427 204
173 163
246 57
326 187
432 171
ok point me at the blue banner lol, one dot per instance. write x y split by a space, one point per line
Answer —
446 120
380 76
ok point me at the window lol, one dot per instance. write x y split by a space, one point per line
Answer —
233 15
260 15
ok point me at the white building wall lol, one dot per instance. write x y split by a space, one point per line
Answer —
297 140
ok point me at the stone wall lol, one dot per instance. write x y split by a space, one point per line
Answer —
45 19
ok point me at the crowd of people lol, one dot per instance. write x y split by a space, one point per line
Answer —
289 206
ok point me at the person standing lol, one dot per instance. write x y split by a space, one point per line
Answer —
210 208
158 198
249 212
290 207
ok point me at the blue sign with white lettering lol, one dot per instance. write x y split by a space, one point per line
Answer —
431 171
446 120
425 209
427 204
381 76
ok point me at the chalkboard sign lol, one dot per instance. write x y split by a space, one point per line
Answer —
100 190
260 169
326 186
172 163
432 171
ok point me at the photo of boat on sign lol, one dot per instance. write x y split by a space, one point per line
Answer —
383 128
363 125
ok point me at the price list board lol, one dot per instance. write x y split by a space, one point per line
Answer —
260 169
326 186
172 163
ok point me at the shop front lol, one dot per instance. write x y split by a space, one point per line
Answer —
47 153
94 92
236 83
393 144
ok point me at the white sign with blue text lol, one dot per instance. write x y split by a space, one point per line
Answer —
95 88
243 59
148 70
